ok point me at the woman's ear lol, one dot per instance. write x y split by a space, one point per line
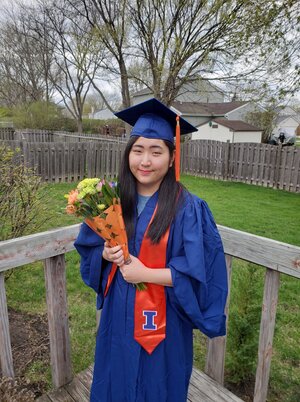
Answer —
172 159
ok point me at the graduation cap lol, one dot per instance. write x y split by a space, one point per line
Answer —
152 119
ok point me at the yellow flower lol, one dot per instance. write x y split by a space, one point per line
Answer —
101 207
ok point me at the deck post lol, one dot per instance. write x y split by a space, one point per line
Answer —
266 333
6 359
56 296
216 347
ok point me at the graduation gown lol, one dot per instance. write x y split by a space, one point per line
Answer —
124 371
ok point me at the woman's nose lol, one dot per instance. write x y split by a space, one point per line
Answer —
145 159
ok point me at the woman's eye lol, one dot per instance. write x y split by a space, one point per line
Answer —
156 153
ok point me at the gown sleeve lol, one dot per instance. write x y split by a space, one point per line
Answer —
92 266
198 269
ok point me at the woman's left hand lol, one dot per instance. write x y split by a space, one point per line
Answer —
135 271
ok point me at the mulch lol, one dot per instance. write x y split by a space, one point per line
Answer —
30 344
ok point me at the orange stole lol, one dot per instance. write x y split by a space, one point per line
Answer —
150 304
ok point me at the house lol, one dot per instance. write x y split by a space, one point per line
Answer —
196 90
103 114
287 124
221 129
197 113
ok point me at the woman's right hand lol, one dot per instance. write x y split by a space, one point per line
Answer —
113 254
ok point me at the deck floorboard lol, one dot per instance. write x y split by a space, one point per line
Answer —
202 389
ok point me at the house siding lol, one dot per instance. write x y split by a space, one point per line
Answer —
289 125
242 112
225 134
206 132
245 136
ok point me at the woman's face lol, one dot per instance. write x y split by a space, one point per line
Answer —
149 161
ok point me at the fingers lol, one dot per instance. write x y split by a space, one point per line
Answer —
113 254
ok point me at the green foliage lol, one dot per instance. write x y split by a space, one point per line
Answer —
37 115
111 126
244 323
264 120
20 199
5 112
49 116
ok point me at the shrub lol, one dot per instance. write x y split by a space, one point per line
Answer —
22 209
244 322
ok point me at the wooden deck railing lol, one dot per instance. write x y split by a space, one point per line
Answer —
278 258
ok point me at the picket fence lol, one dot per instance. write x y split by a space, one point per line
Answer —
64 161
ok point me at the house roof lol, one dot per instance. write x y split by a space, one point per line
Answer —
237 125
147 91
207 109
282 118
144 91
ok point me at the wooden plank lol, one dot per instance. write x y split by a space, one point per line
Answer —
284 154
216 348
289 168
86 376
56 295
226 160
6 359
43 398
277 166
269 253
295 172
61 395
36 247
213 391
78 391
266 334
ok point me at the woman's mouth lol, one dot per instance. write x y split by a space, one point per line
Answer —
145 172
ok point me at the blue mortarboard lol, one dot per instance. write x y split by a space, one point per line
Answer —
152 119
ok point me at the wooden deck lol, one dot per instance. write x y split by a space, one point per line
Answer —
202 389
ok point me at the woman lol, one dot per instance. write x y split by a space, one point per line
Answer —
144 346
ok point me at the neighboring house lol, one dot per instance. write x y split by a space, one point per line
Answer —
103 114
197 113
287 124
224 130
193 91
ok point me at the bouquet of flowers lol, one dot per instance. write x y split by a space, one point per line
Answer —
98 202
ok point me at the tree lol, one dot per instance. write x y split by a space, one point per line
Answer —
111 23
173 41
24 62
77 54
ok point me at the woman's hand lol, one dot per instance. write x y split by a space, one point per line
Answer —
135 271
113 254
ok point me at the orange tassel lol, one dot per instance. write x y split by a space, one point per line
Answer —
177 153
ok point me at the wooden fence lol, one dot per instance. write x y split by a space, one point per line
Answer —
259 164
69 162
277 258
36 136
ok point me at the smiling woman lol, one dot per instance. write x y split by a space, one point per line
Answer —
144 346
149 162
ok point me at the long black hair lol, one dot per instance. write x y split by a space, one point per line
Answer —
170 196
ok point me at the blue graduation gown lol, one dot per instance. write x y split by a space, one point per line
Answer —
124 371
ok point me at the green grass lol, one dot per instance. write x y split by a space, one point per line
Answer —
265 212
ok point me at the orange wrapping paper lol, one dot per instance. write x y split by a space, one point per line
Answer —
112 228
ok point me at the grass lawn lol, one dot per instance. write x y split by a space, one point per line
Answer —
265 212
